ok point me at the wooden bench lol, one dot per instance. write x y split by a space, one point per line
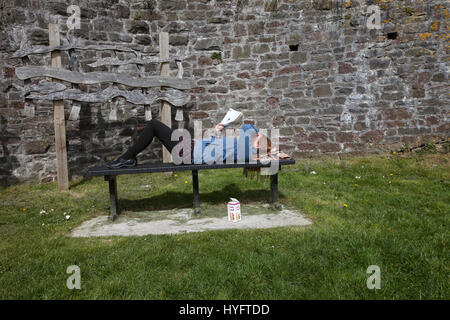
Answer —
111 174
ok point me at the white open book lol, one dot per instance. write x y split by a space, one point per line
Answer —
232 116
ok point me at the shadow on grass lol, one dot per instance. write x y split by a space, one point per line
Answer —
173 200
79 182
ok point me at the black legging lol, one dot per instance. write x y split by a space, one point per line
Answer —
154 128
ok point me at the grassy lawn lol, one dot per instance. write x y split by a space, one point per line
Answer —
395 215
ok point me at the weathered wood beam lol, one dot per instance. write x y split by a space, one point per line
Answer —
166 114
76 106
44 87
173 96
26 52
75 112
29 72
114 61
62 169
180 70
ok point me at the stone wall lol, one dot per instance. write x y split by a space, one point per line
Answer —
312 69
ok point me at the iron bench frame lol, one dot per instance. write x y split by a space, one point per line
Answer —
110 175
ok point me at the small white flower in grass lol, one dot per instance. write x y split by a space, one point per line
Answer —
67 217
313 172
357 177
43 224
42 212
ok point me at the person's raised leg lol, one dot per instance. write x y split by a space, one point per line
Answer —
154 128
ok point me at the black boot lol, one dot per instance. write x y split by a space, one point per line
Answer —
122 161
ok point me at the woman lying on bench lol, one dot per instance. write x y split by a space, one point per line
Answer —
249 139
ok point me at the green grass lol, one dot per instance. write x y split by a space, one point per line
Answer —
398 222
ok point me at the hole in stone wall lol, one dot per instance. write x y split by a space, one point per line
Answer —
392 35
293 47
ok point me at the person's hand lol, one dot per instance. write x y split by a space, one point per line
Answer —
219 127
257 141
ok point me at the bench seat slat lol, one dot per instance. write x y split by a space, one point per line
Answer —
169 167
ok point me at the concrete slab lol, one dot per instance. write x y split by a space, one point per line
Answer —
178 221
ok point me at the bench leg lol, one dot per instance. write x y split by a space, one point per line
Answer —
114 204
274 191
196 193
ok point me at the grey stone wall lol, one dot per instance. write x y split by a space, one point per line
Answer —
312 69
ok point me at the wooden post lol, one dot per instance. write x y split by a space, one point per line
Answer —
58 116
166 113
